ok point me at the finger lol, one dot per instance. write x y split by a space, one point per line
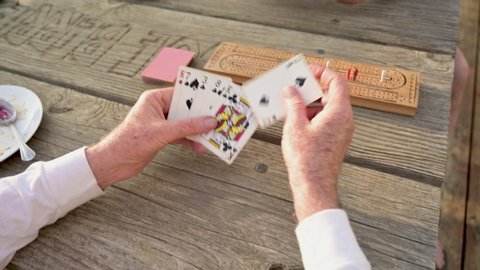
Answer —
313 111
178 129
296 109
195 146
318 71
334 86
336 98
315 68
162 99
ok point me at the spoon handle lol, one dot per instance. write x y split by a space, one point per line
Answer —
26 152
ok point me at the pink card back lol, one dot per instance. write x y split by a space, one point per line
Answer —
165 65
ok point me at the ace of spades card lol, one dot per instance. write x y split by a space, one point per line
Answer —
265 91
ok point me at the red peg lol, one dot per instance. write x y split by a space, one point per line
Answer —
355 74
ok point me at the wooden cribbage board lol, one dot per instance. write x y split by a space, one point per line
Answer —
398 93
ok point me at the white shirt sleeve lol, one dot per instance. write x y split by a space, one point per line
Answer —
327 241
45 192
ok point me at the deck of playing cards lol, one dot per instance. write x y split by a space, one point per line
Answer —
239 110
164 66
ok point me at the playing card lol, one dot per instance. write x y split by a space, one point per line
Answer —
217 96
238 110
265 92
208 97
164 66
189 82
236 124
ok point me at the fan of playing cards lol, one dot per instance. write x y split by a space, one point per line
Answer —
239 109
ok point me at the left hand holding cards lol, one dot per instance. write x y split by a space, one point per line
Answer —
126 150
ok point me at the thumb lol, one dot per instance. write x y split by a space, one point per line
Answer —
296 109
179 129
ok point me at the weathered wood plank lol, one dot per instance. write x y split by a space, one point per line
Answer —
425 25
472 228
454 191
203 217
161 238
100 49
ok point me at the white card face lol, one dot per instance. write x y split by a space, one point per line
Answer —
188 84
206 103
265 92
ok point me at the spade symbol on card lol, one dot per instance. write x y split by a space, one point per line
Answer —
300 81
231 150
194 84
264 100
233 98
226 147
189 103
219 92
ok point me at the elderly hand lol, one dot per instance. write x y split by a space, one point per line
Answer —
134 143
314 143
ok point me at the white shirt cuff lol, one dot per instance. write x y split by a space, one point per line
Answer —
71 180
327 241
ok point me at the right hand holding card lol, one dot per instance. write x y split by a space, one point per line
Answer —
265 91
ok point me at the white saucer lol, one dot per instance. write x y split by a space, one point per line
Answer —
29 115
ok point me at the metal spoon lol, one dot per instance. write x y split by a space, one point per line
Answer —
8 115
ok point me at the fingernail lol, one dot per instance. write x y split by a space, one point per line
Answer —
210 122
289 92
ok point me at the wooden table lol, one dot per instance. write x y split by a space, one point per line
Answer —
185 211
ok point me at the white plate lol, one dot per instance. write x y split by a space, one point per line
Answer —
29 115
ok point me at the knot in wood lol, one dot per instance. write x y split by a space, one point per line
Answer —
261 168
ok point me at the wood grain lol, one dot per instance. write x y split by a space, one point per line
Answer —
99 49
375 87
454 191
427 25
183 212
472 228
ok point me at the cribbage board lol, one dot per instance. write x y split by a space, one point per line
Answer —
396 92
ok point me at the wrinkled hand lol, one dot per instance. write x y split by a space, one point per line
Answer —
314 143
134 143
